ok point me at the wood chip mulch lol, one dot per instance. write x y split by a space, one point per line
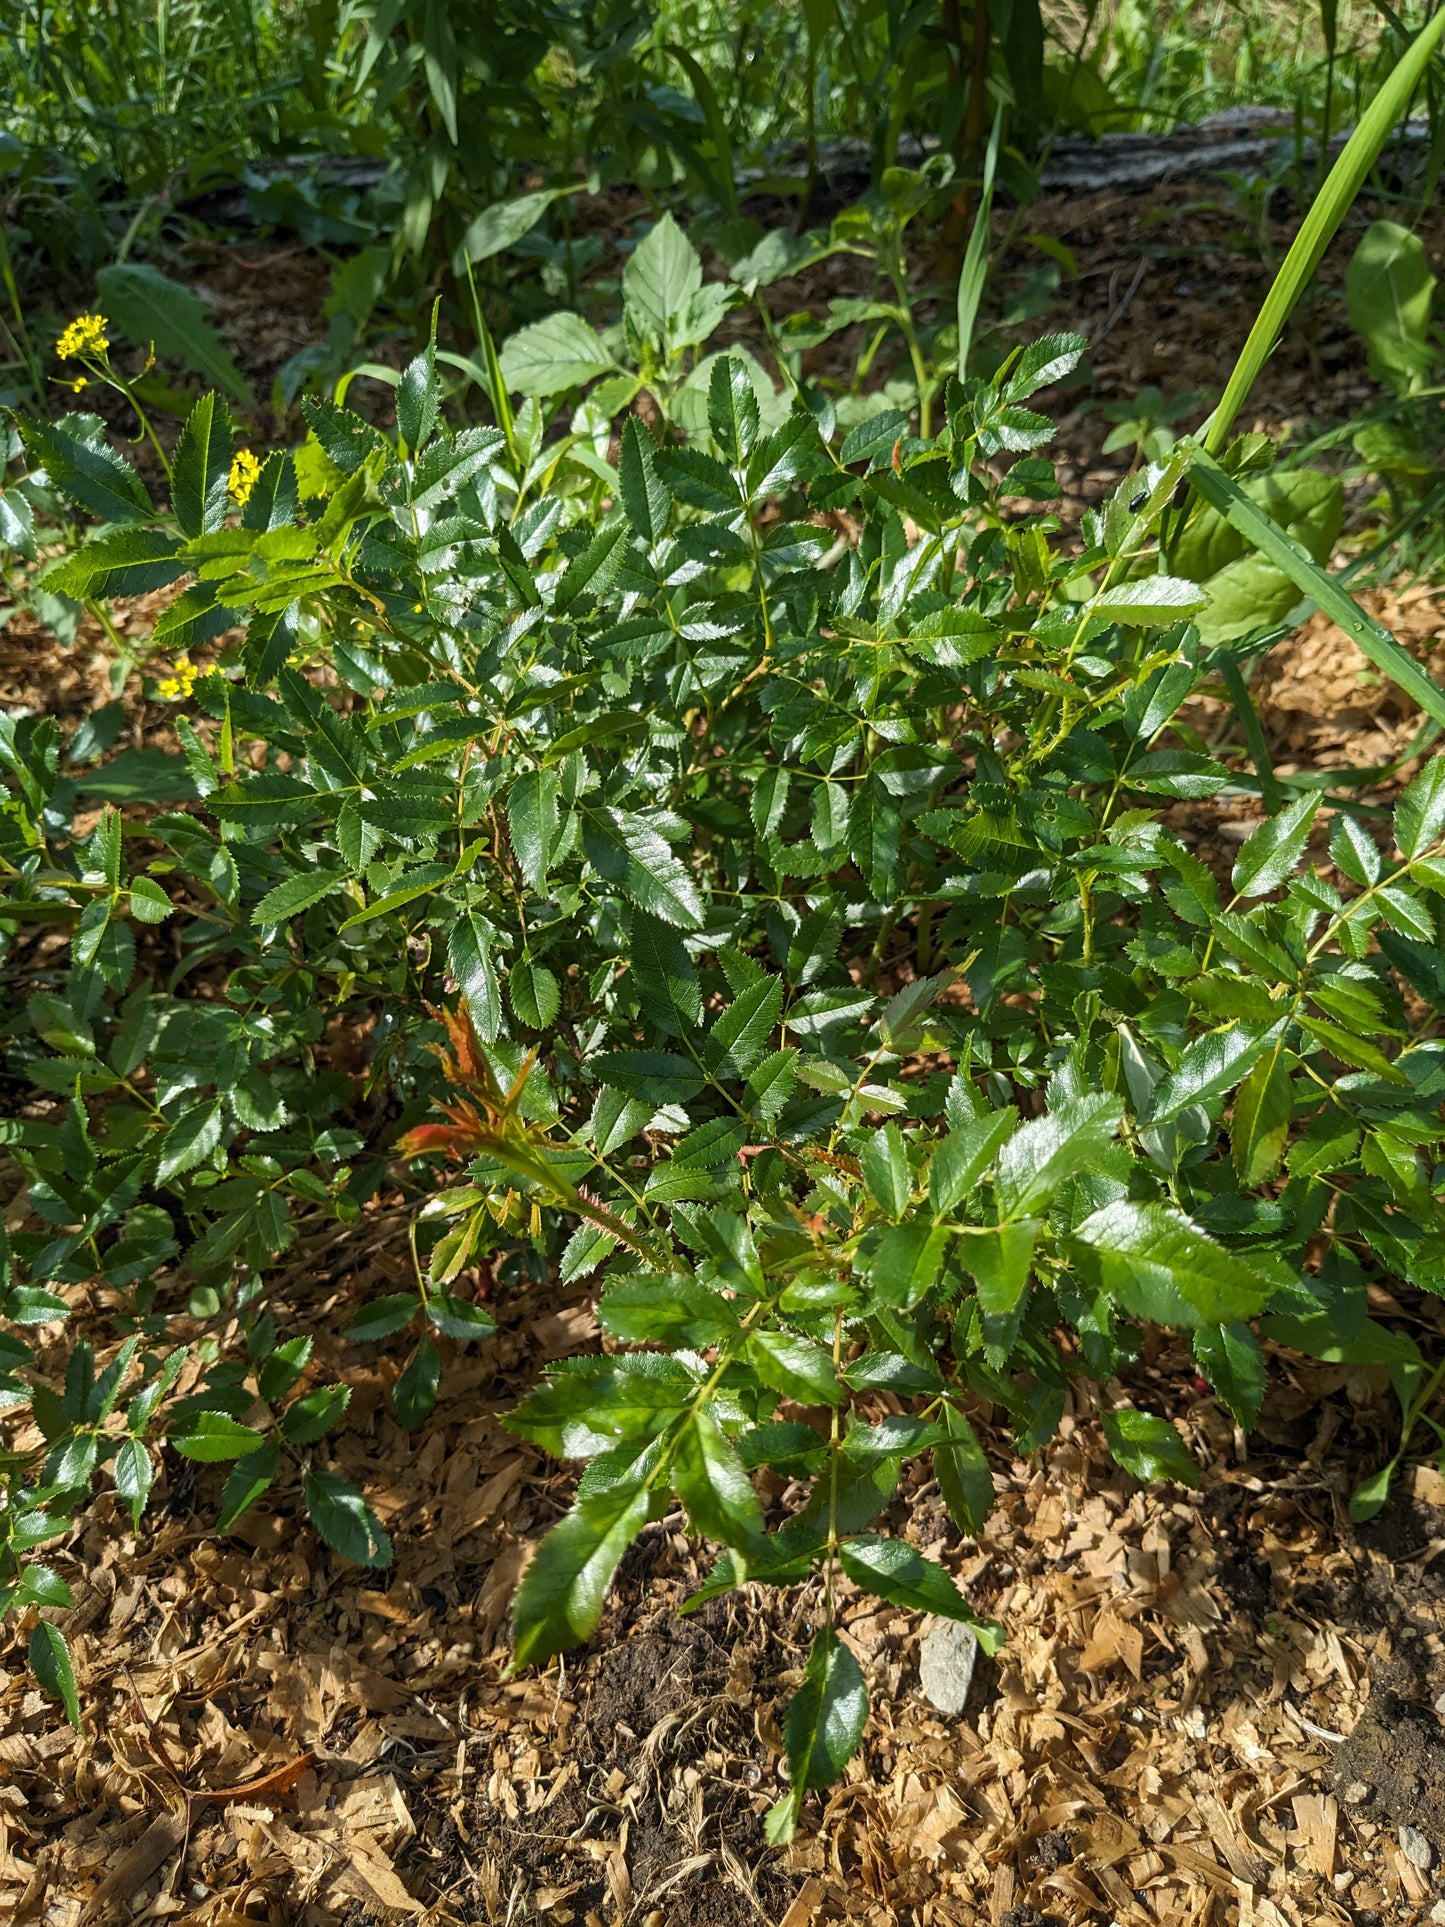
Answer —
273 1735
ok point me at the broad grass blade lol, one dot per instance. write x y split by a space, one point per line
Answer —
1331 204
1374 642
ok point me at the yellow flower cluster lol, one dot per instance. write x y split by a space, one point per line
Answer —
178 687
85 336
245 473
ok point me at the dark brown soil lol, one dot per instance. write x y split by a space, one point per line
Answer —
679 1696
1393 1766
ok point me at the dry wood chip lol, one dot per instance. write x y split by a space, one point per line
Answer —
372 1876
374 1806
467 1511
1245 1864
1317 1817
1113 1639
130 1873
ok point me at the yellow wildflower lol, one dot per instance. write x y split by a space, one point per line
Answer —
178 687
76 385
245 472
85 336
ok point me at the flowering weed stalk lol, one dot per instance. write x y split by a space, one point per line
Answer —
86 340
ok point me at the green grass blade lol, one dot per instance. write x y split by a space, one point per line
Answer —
494 387
1254 736
1373 641
1318 228
975 261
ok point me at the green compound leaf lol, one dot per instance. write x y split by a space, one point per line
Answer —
382 1317
796 1367
963 1473
1420 812
886 1170
51 1664
899 1573
906 1264
713 1484
1230 1358
1271 852
1161 1266
1263 1110
249 1478
1148 1446
415 1393
561 1595
312 1416
960 1161
1047 1150
83 466
344 1519
822 1727
213 1436
1210 1067
201 468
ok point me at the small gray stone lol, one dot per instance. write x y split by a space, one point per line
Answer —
945 1664
1358 1793
1437 1913
1416 1848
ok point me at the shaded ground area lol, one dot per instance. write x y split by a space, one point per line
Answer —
1163 283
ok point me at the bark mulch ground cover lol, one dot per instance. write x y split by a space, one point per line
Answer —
277 1736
